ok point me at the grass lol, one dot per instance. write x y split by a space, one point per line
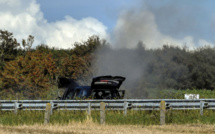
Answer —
89 127
112 117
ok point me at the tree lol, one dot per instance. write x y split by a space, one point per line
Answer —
27 44
8 46
88 47
78 64
32 74
72 67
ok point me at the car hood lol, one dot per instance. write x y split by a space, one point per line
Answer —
107 82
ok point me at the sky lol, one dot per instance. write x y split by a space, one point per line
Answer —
123 23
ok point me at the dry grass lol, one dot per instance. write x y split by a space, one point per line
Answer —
89 127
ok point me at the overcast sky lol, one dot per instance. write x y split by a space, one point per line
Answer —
122 22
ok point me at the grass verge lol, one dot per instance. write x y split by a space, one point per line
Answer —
112 117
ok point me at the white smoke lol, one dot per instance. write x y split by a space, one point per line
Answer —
24 17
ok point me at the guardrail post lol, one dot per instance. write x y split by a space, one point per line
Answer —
89 109
102 113
125 108
47 113
52 106
15 107
201 107
162 112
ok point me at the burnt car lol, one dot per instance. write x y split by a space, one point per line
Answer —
102 87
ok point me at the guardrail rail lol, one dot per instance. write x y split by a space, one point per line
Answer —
134 104
124 104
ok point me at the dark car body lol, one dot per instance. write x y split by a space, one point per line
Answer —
102 87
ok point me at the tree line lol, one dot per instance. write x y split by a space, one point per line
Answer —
33 72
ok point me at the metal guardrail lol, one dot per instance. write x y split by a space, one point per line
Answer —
124 104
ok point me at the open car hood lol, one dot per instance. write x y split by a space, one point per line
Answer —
107 82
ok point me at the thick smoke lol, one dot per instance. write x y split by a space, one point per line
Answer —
170 23
122 62
126 57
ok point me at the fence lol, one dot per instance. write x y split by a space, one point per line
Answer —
124 104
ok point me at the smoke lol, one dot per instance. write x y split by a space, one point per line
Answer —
122 62
141 29
157 26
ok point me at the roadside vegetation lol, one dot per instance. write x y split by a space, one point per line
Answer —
28 72
89 127
112 117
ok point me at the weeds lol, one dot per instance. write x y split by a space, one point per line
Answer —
112 117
